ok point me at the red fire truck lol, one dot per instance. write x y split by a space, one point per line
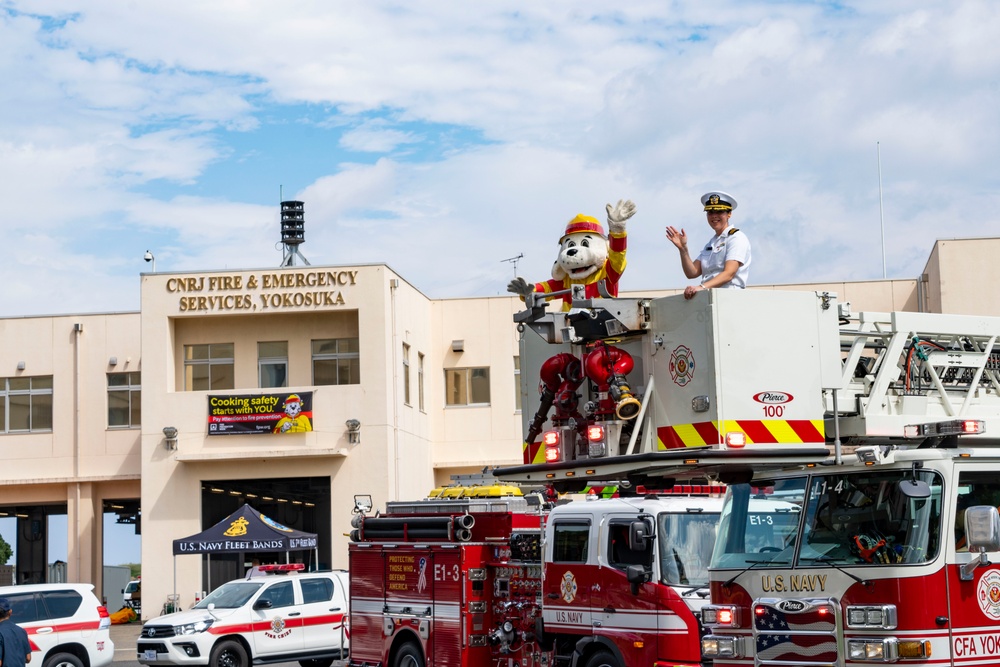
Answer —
872 436
487 580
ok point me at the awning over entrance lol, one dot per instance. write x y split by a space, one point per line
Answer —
245 530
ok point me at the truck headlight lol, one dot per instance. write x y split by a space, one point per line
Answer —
868 616
193 628
873 650
716 647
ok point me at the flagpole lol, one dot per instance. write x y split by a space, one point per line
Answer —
881 219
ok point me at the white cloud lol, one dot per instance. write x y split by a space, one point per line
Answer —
374 137
781 104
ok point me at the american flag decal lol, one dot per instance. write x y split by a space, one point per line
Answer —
802 633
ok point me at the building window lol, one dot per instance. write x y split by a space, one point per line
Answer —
467 386
336 361
209 367
272 364
517 384
27 404
124 400
406 374
420 379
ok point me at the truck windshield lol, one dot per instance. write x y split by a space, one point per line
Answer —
686 542
863 519
846 519
230 596
760 524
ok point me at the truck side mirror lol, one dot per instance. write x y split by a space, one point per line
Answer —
263 603
636 575
982 533
639 535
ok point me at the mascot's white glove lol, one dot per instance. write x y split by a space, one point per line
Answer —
521 287
618 214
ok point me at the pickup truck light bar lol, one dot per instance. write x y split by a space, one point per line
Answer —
283 569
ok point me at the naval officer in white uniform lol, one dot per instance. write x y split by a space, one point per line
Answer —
724 262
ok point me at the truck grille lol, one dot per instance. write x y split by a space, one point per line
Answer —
796 631
157 631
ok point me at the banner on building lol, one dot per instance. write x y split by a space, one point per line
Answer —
260 413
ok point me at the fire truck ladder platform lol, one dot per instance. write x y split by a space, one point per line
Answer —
723 464
903 368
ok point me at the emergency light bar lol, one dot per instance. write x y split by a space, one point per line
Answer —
953 427
287 567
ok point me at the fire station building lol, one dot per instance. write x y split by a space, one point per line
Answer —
291 390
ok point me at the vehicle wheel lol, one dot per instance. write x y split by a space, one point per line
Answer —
63 660
316 662
602 659
409 655
229 653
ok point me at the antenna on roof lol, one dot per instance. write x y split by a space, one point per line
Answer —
514 261
881 220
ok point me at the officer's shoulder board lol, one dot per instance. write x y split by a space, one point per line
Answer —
733 231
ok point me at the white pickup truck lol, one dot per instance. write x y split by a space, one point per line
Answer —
282 616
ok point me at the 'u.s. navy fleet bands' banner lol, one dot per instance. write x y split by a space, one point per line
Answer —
246 529
260 413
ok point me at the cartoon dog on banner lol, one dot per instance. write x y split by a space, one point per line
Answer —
586 256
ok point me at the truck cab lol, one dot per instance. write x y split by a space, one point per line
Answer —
628 577
132 595
894 556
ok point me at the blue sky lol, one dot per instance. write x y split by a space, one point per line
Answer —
444 137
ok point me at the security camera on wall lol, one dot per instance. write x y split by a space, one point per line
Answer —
148 256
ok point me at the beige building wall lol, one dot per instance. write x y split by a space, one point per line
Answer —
959 276
406 446
80 462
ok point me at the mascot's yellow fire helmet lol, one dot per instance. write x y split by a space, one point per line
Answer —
582 224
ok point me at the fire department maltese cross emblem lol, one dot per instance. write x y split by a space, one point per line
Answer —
568 587
681 365
988 594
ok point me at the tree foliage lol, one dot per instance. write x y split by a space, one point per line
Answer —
5 551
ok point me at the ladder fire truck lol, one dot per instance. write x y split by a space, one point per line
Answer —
859 451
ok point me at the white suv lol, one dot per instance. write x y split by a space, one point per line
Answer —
67 625
281 617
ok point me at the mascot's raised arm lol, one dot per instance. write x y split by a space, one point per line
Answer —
586 256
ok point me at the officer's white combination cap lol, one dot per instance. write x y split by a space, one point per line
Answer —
718 201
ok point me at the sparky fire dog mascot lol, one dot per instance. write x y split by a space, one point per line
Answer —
293 421
586 256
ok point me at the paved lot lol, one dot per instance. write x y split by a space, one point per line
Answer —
124 637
